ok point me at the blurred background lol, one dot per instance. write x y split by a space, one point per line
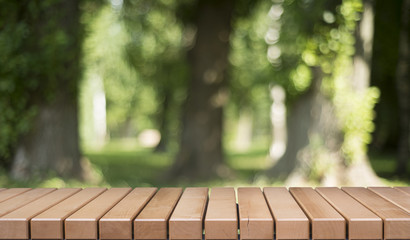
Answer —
204 93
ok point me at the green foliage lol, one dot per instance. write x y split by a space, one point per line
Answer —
153 51
321 34
249 69
34 53
250 73
293 30
137 51
157 45
354 108
107 71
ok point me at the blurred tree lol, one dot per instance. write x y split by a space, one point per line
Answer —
403 90
201 153
383 73
250 74
389 65
40 48
330 114
155 50
105 65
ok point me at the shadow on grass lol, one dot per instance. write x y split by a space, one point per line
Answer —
385 165
138 167
145 168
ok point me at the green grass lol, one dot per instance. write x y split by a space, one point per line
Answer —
142 167
131 168
123 163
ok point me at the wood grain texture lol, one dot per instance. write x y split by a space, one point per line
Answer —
186 220
152 222
221 220
362 223
23 199
117 223
404 189
396 220
326 222
12 192
290 221
15 225
50 223
83 224
255 219
395 196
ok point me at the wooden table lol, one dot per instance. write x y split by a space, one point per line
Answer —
202 213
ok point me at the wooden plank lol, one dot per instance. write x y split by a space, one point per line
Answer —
15 225
152 222
396 220
221 221
395 196
117 223
186 220
291 222
326 222
23 199
361 222
49 224
255 219
83 224
404 189
12 192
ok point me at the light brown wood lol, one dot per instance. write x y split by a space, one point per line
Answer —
290 221
15 225
49 224
117 223
23 199
12 192
152 222
362 223
83 224
221 220
404 189
326 222
255 219
186 220
396 220
395 196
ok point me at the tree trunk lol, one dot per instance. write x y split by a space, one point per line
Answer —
201 152
314 139
362 59
278 120
243 139
363 48
99 114
127 129
52 144
163 120
385 137
314 146
403 91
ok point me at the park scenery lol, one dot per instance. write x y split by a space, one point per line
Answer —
157 93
